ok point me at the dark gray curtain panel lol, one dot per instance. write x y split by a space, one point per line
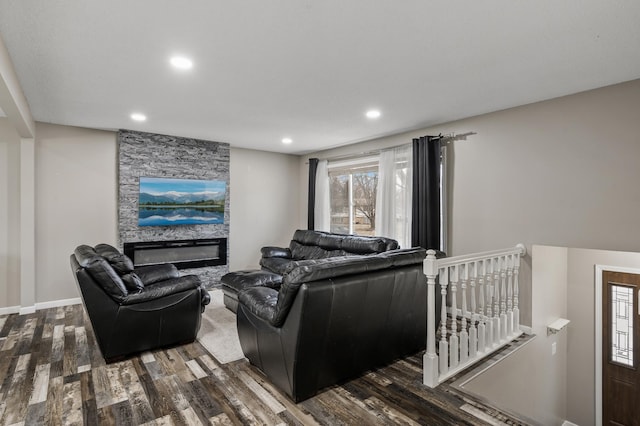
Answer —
313 167
425 207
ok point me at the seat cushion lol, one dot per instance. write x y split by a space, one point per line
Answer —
240 280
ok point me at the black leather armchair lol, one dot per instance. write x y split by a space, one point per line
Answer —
134 310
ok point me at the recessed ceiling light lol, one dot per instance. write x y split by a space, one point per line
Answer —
181 62
287 141
136 116
373 114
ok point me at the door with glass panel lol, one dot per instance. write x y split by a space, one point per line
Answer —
621 359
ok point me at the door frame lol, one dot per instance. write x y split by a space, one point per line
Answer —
598 324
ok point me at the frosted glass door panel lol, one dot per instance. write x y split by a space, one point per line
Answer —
622 311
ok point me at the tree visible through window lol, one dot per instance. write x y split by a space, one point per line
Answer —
353 197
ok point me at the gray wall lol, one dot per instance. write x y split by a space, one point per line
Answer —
9 215
265 195
76 201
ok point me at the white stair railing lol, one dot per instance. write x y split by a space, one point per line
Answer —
489 280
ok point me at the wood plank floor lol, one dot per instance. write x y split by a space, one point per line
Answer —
52 373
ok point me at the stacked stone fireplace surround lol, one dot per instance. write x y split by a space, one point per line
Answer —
151 155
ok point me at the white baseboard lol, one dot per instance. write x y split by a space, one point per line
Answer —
24 310
568 423
526 329
57 303
9 310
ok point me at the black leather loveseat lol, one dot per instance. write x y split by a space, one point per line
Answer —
136 310
334 319
305 245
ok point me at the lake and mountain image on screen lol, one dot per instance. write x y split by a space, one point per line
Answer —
164 201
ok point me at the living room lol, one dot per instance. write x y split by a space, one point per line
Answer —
556 171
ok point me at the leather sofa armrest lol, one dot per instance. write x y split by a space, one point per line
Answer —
261 302
163 289
271 251
156 273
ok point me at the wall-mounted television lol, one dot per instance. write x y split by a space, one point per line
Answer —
168 202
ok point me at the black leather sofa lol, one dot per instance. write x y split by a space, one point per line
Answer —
333 319
309 244
305 245
134 310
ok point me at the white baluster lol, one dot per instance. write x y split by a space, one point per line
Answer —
496 300
509 295
516 290
454 355
481 304
503 298
473 332
430 358
444 345
489 288
464 334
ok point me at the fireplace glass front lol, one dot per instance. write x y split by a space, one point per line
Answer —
182 253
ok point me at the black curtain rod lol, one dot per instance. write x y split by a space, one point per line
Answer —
446 138
360 154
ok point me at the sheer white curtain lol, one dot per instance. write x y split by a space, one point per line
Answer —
393 198
385 196
322 207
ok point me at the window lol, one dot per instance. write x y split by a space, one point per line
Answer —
371 195
352 193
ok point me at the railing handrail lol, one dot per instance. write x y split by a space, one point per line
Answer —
467 258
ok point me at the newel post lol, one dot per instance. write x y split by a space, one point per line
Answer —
430 358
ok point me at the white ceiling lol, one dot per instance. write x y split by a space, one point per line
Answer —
308 70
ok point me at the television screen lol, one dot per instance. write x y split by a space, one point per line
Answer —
167 202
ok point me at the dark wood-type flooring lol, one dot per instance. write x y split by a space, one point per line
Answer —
52 372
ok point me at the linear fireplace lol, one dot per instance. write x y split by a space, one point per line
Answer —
182 253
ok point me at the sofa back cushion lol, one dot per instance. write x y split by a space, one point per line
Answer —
310 271
321 269
120 262
303 252
84 255
102 272
123 266
309 244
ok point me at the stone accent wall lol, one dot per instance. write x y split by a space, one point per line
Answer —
152 155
